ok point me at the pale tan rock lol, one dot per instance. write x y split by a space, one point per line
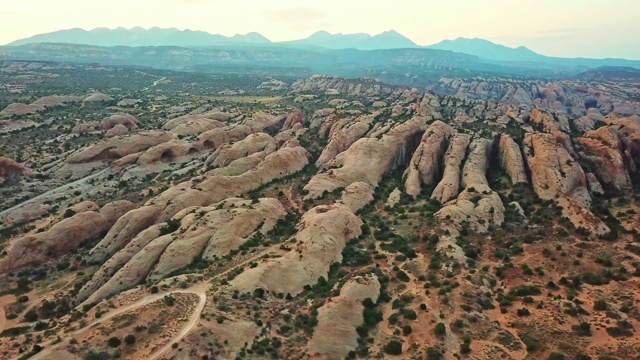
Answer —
215 138
295 117
97 98
548 122
263 122
604 151
117 130
127 120
192 124
61 238
214 231
120 146
253 143
322 235
167 152
369 158
594 184
449 186
426 164
342 135
511 160
357 195
556 176
134 271
84 206
335 335
117 261
125 229
85 128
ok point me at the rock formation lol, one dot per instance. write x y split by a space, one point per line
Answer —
511 160
322 234
335 335
555 175
449 186
120 146
61 238
369 158
425 166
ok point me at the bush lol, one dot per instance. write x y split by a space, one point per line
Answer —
31 316
440 330
169 300
393 348
113 342
556 356
600 305
129 339
584 329
523 312
406 330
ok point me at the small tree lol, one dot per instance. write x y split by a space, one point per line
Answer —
129 339
113 342
440 330
393 348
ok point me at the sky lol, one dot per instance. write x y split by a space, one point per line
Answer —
567 28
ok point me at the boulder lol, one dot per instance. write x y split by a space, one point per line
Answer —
9 167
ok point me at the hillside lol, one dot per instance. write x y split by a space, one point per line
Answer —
160 214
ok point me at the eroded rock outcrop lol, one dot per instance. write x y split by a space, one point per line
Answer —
61 238
604 151
510 157
120 146
127 120
342 135
322 234
555 175
10 167
357 195
193 124
253 143
287 160
449 186
335 335
369 158
426 165
205 232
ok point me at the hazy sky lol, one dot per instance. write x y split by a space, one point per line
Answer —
573 28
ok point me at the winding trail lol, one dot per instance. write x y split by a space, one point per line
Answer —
193 320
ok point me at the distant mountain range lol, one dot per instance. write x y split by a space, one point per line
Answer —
388 56
141 37
138 36
387 40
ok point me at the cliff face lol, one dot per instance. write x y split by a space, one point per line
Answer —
511 160
426 165
555 175
369 158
